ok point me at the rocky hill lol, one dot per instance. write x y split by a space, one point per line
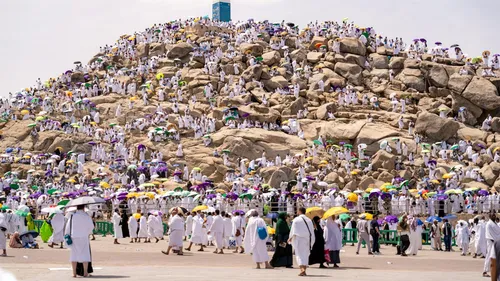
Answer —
429 84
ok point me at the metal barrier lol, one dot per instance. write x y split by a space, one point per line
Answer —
103 228
349 235
389 237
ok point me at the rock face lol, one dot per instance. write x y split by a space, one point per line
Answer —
352 46
434 127
482 93
179 50
284 82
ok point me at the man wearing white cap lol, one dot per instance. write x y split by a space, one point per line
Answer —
363 233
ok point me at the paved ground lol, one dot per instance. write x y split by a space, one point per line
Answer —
145 262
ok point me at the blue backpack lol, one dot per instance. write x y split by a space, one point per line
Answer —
262 232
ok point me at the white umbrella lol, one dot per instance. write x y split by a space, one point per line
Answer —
86 200
383 144
209 210
24 208
322 183
374 99
392 95
362 145
50 210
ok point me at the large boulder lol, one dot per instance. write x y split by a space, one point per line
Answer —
472 112
322 112
434 127
379 61
317 40
352 46
253 72
458 83
276 178
252 48
482 93
271 58
397 63
352 72
383 160
299 55
156 49
179 50
260 113
412 78
438 76
314 57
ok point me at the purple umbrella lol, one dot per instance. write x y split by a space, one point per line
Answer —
297 196
432 162
141 146
309 178
391 219
232 195
374 195
313 192
442 197
385 196
423 40
238 212
482 192
177 173
141 169
439 43
92 143
245 115
211 196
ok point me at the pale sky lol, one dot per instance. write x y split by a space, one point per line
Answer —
44 38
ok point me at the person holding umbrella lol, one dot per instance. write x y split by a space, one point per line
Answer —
78 229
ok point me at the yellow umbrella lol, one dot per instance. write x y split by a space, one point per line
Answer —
324 162
335 211
156 183
352 197
314 212
200 208
354 173
368 216
70 162
24 112
136 216
308 159
447 176
104 184
435 181
271 230
71 181
368 189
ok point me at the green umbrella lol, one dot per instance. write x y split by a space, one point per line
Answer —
51 191
21 213
112 124
5 208
34 187
31 125
259 58
63 202
132 167
348 145
454 147
344 217
226 151
230 118
354 159
14 186
178 189
317 142
246 195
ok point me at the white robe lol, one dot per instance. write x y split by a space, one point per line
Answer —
333 236
198 236
117 228
57 223
302 235
217 231
81 227
143 227
176 231
253 244
3 234
132 227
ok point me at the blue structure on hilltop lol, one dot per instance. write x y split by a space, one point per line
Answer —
221 10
